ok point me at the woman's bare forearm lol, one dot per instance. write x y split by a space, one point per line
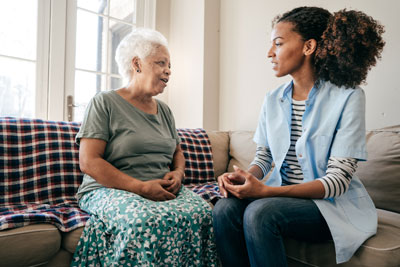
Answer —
92 163
109 176
313 189
178 161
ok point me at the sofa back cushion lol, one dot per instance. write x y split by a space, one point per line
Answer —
220 150
39 173
381 172
242 149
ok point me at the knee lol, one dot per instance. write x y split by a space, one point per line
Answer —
228 218
225 208
228 214
261 216
254 217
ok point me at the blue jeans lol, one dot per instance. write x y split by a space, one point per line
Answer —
250 232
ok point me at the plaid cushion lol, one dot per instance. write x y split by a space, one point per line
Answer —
196 148
199 169
39 174
208 191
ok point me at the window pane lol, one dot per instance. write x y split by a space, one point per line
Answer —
86 86
97 39
98 6
18 23
117 33
123 10
17 88
91 45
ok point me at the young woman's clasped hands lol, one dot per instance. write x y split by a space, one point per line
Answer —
244 184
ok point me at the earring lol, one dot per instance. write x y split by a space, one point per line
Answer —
138 70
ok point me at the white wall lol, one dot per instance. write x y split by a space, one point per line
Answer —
192 29
186 43
211 65
162 25
245 71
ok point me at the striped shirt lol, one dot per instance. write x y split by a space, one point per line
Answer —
339 170
291 170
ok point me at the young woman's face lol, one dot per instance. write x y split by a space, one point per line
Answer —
286 51
156 70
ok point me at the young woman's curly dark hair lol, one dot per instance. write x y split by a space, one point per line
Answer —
348 42
350 47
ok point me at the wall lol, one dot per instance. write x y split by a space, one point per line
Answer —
192 29
245 71
211 66
162 23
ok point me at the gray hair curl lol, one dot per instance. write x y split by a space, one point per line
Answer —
141 42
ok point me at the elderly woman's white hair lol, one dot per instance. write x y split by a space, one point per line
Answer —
140 43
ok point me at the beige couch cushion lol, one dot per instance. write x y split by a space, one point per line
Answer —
70 239
61 259
381 173
220 146
241 149
29 245
380 250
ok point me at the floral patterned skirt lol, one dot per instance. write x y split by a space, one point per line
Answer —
126 229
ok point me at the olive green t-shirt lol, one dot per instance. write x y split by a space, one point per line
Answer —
139 144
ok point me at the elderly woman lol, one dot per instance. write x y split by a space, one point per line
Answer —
134 166
313 129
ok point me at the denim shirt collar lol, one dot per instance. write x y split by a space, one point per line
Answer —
287 92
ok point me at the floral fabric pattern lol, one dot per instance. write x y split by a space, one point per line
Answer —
126 229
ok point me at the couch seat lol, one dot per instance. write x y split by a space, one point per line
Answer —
381 250
29 245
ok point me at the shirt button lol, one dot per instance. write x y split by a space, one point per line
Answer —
300 155
281 100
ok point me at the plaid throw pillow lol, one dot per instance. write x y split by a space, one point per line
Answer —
196 148
39 174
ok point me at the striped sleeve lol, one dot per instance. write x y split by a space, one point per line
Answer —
338 176
263 159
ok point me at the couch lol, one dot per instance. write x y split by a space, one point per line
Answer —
37 240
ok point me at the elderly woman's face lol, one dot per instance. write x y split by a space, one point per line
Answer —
155 71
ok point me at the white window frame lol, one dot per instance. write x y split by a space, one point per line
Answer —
57 46
56 53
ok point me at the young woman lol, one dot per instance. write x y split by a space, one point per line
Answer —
313 129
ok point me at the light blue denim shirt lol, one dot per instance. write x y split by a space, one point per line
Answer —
333 125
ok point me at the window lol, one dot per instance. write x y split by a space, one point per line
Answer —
18 58
62 53
100 26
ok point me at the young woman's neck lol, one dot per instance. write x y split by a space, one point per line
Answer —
302 84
